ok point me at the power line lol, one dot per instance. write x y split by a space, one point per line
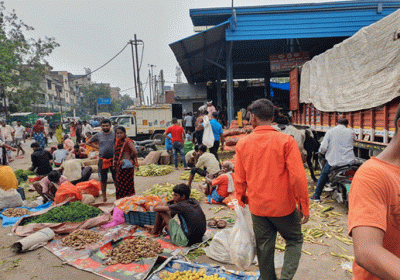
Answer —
80 77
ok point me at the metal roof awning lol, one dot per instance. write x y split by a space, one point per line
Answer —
199 54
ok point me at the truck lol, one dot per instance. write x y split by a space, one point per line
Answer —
145 122
358 79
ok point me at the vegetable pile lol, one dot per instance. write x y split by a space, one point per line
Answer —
188 274
166 190
74 212
15 212
23 174
81 237
151 170
131 250
186 174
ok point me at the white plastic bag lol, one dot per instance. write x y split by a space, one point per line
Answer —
219 247
242 239
208 135
10 199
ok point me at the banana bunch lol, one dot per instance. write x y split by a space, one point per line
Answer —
166 190
186 174
152 170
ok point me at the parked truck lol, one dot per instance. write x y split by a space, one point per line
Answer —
145 122
358 79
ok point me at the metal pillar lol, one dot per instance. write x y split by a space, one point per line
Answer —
267 81
229 82
219 94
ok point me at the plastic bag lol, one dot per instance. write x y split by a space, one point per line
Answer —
208 135
242 239
92 187
10 199
118 218
67 191
219 247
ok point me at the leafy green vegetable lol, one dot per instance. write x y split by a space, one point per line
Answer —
23 174
74 212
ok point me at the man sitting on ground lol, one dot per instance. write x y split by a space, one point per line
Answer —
79 153
75 171
60 155
48 186
192 156
219 188
206 160
40 160
192 219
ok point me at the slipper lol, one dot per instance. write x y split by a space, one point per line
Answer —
221 224
212 223
20 157
187 168
206 201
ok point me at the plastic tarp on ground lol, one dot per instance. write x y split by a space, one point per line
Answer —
9 221
360 73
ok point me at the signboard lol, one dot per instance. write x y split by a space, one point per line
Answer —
294 89
286 61
103 101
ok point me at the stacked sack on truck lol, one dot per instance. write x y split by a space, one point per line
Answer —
234 134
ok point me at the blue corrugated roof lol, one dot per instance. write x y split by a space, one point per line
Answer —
317 20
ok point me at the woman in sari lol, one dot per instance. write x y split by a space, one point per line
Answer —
125 159
68 144
59 134
39 134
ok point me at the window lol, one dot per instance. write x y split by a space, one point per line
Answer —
124 121
49 84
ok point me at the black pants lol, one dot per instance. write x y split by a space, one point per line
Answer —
198 135
199 171
214 149
86 173
103 173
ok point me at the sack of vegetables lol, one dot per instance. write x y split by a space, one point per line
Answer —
65 218
67 191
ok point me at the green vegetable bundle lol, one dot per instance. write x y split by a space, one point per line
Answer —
23 174
73 212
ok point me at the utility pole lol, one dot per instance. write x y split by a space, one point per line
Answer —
138 68
151 83
155 89
162 85
134 69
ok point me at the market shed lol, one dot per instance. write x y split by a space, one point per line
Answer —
267 41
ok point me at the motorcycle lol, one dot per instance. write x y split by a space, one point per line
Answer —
145 147
340 178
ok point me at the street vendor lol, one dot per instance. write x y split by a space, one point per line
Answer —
219 188
192 156
192 219
206 161
48 186
75 171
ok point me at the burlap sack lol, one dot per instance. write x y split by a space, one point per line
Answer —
88 199
65 228
165 158
152 157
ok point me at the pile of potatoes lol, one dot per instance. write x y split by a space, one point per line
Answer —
79 238
131 250
15 212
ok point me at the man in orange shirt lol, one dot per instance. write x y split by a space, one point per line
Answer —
270 170
374 214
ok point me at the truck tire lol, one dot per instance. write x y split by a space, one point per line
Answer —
160 138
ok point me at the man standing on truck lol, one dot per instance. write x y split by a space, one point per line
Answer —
338 149
374 214
178 135
106 140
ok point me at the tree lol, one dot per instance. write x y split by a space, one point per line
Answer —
90 95
22 64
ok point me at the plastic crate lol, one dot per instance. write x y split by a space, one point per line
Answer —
140 218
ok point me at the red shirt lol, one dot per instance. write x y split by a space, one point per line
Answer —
269 168
176 132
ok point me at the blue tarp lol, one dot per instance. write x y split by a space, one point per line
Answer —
9 221
283 86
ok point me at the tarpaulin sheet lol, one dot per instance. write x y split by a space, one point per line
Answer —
91 259
9 221
360 73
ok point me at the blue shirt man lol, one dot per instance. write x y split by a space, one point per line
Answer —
218 134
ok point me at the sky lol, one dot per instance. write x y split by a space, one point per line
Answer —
91 32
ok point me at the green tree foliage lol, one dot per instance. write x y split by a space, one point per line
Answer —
22 63
90 95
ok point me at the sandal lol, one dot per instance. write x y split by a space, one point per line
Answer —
212 223
221 224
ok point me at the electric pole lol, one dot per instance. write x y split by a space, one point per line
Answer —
151 80
136 67
150 84
134 70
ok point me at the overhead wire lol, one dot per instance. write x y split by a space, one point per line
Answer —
91 72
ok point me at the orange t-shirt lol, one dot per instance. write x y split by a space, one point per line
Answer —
269 167
222 182
374 201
